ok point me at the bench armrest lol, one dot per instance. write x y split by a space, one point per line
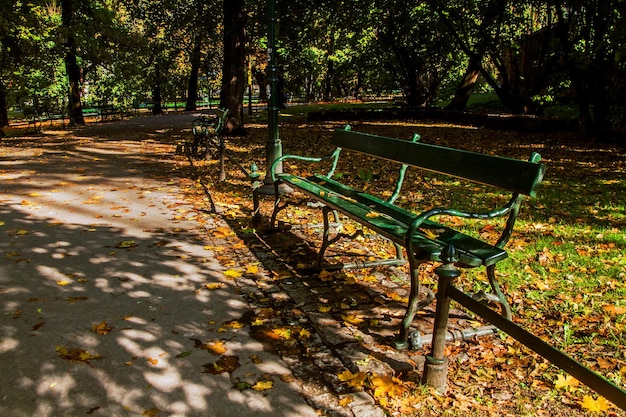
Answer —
511 208
334 157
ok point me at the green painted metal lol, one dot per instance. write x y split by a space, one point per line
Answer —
505 173
425 239
593 380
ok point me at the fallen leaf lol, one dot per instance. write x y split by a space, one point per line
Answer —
352 319
224 364
153 412
76 354
345 401
387 386
126 244
232 273
214 285
252 269
263 385
234 324
614 310
101 328
216 347
565 381
601 404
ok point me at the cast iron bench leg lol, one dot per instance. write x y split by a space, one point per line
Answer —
504 304
436 367
415 304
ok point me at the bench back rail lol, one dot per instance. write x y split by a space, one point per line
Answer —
505 173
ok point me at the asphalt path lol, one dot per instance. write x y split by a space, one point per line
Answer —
104 269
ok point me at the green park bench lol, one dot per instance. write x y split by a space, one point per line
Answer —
426 240
33 118
207 131
423 238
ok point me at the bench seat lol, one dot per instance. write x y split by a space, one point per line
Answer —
393 222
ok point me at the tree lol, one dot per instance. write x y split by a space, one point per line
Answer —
233 71
71 63
417 49
596 61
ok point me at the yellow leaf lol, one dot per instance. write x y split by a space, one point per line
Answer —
257 322
324 308
216 347
387 386
304 334
127 244
234 324
232 273
565 382
354 380
345 401
429 233
63 283
352 319
153 361
263 385
601 404
282 333
326 275
214 285
345 376
252 269
372 214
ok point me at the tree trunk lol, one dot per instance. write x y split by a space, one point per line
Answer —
192 84
464 90
4 110
71 65
157 99
233 70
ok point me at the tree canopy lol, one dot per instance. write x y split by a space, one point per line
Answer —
63 55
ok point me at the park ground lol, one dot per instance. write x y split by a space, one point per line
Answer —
565 277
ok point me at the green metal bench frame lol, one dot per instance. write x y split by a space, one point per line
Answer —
208 129
424 239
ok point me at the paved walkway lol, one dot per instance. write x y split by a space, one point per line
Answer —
103 281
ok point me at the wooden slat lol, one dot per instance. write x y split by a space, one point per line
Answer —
506 173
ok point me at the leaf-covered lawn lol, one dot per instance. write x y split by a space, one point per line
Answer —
565 278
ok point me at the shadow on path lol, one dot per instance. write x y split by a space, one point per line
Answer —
103 267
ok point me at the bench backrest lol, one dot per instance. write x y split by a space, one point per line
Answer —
506 173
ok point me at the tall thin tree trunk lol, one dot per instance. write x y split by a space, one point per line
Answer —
71 64
4 110
157 99
192 84
233 73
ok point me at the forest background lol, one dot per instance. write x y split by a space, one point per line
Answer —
62 56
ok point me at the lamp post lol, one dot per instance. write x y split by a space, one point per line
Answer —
273 146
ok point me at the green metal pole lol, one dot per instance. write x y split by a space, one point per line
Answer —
273 147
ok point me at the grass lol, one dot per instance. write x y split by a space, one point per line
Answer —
567 268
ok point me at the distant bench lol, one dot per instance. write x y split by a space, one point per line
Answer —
424 239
